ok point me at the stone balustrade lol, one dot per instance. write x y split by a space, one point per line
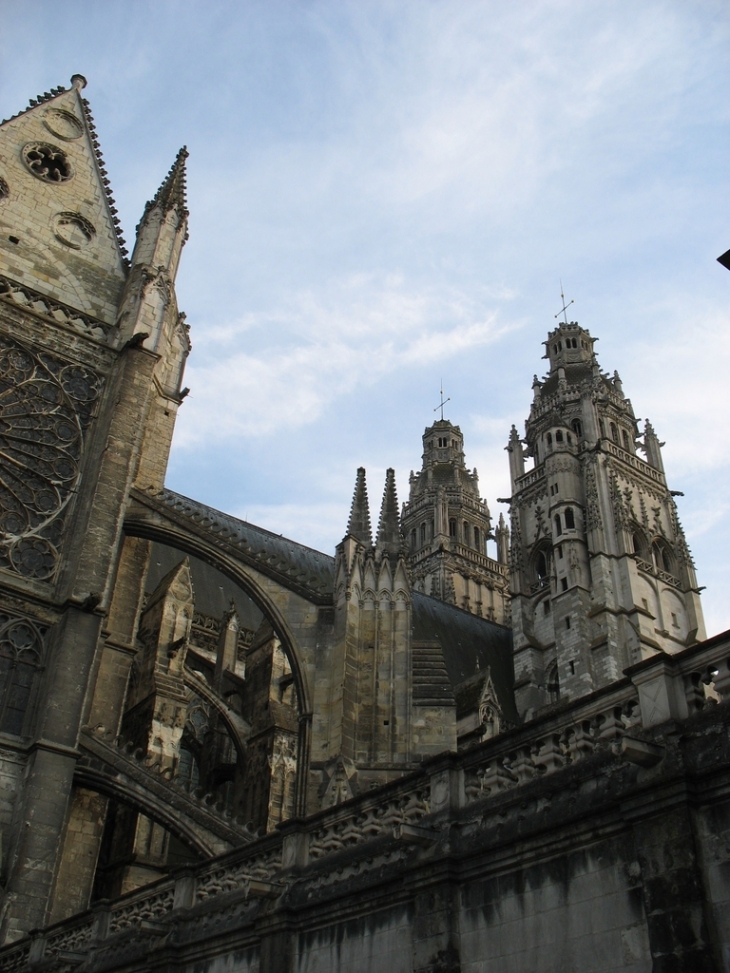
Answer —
415 810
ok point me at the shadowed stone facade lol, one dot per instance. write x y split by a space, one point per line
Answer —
221 749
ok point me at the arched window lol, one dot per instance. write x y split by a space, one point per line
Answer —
423 534
466 533
452 528
558 526
662 558
476 538
625 437
577 428
549 438
542 561
558 436
569 519
21 657
413 539
614 433
602 427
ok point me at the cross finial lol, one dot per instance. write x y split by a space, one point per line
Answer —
565 306
443 401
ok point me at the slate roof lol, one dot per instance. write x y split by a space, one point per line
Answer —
297 567
467 642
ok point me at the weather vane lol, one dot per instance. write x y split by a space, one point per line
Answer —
565 306
443 401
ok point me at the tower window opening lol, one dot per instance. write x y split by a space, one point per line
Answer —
572 664
577 428
555 349
546 607
625 437
423 534
553 684
614 433
567 625
549 438
558 436
558 525
563 584
541 566
466 533
569 519
569 437
560 551
454 444
443 442
560 346
413 539
452 528
602 427
476 538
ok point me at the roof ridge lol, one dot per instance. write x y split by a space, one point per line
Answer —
99 158
247 523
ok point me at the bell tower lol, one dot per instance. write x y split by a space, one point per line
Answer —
446 525
601 573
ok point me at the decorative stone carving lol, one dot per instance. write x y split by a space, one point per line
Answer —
47 162
63 124
74 230
45 407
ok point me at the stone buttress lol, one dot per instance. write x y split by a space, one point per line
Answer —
92 351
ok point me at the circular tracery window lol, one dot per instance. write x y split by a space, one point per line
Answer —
64 124
47 162
74 230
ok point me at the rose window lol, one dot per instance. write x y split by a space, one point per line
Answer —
45 405
47 162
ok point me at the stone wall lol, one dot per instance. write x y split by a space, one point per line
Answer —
592 839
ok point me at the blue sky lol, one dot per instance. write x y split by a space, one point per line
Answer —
383 195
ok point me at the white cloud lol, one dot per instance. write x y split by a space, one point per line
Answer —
321 349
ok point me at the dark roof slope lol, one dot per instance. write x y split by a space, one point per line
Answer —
469 644
295 566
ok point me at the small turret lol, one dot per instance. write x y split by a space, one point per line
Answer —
501 535
516 456
653 447
389 540
163 229
358 526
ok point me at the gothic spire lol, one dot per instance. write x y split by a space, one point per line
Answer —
389 533
359 523
172 192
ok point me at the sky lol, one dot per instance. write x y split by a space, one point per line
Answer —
387 195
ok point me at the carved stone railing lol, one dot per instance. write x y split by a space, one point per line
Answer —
634 462
14 293
486 562
527 479
664 576
415 810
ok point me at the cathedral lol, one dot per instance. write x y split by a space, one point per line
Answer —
222 750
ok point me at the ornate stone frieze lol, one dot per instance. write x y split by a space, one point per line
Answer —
14 294
46 406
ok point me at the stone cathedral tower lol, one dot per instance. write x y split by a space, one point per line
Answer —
601 573
447 524
92 350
